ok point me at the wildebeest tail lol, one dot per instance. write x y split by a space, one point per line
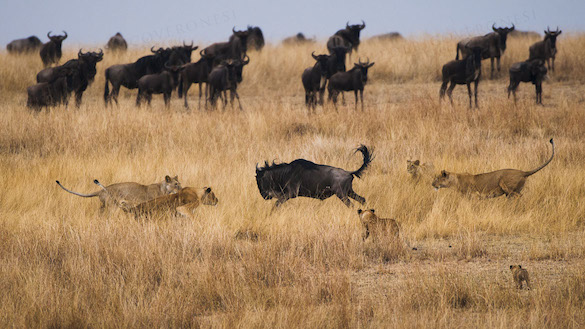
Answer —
368 157
457 52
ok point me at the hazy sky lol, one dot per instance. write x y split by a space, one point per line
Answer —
150 22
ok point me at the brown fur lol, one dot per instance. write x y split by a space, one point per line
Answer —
418 170
376 226
183 202
132 192
493 184
519 274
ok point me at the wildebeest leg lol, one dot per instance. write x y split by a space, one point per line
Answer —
492 70
167 98
450 91
498 61
355 92
148 98
115 92
538 93
356 197
342 98
344 199
362 98
235 92
476 82
138 98
548 63
469 93
186 87
553 63
78 95
442 90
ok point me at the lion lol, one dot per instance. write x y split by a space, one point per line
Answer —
376 225
418 170
493 184
132 192
519 274
184 202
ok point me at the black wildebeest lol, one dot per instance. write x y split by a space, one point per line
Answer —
312 77
354 79
307 179
348 37
197 72
51 51
493 45
127 75
547 48
462 72
297 39
235 48
224 77
529 71
117 43
82 73
255 38
26 45
158 83
50 93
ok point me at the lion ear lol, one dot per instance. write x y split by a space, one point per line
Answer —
359 211
519 266
444 173
168 179
511 266
372 210
208 189
176 178
417 162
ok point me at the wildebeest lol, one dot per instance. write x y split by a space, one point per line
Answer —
82 72
197 72
354 79
158 83
255 38
117 43
523 34
127 75
493 45
307 179
462 72
224 77
235 48
50 93
390 36
51 51
297 39
529 71
547 48
348 37
181 54
312 77
26 45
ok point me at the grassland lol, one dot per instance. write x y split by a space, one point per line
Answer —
63 264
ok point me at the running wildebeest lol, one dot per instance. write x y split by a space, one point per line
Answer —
354 79
224 77
82 73
235 48
462 72
197 72
311 78
297 39
158 83
529 71
50 93
303 178
117 43
493 45
255 38
348 37
51 51
127 75
547 48
26 45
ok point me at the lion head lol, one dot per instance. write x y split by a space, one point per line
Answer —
444 180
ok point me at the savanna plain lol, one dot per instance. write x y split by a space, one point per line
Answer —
65 264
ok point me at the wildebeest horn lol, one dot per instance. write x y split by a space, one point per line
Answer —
313 54
80 52
513 27
152 50
101 53
494 27
246 60
49 34
363 26
234 29
257 169
557 31
202 52
347 25
548 29
65 35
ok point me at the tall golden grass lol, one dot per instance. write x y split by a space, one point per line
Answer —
63 264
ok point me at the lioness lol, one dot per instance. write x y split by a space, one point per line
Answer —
132 192
417 170
183 202
376 225
519 274
493 184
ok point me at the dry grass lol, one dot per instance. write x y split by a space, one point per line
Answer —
62 264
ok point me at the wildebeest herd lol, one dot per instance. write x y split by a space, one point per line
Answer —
221 66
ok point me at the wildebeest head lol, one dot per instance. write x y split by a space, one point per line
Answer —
538 69
89 61
186 51
321 60
363 67
503 33
552 36
238 68
255 37
353 33
58 39
265 178
339 53
243 36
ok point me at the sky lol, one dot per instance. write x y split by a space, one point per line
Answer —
149 22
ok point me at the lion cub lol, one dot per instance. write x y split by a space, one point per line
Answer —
520 275
418 170
376 225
